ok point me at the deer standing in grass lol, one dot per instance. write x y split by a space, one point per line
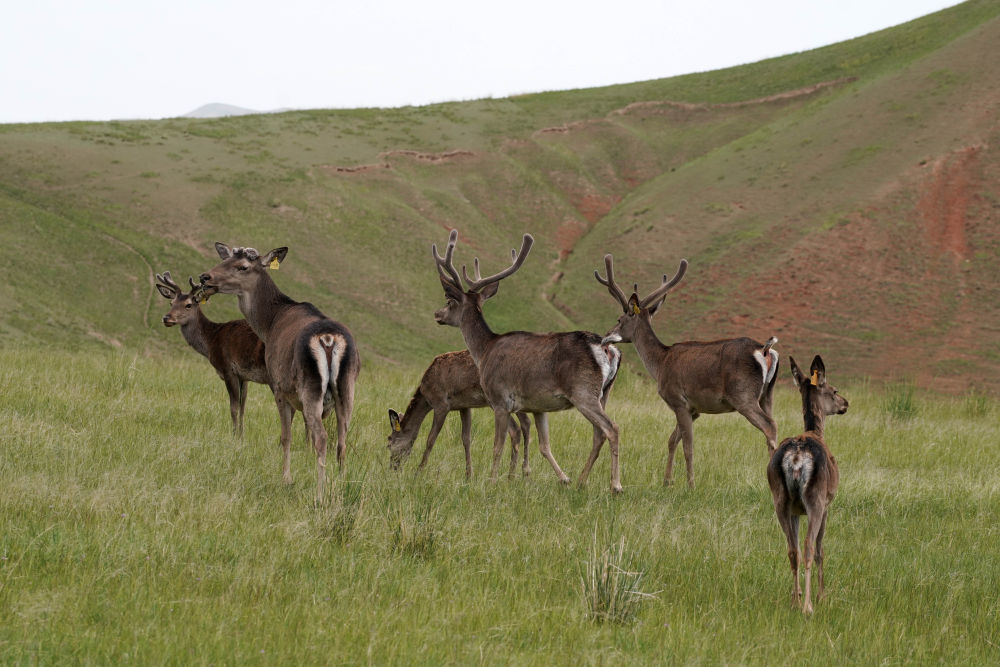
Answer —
695 378
803 477
233 349
531 372
451 382
312 360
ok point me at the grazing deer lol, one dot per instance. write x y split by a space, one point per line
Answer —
313 361
451 382
233 349
531 372
803 476
695 378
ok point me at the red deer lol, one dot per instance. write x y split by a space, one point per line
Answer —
803 477
313 361
531 372
695 378
451 382
233 349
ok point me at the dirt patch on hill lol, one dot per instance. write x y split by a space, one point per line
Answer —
387 157
944 202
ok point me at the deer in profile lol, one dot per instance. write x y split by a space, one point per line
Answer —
530 372
451 382
313 361
233 349
693 377
803 477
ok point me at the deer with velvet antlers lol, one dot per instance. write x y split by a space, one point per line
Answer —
313 361
451 382
803 477
695 378
233 349
532 372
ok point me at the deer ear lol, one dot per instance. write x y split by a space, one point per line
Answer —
449 288
272 259
223 250
797 376
633 304
490 290
165 291
818 371
394 421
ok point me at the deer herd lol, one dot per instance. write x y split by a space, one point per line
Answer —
311 364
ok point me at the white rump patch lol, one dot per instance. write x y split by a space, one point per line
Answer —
611 338
797 465
319 346
608 358
767 369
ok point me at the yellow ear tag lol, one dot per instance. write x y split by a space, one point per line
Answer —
273 264
814 380
203 300
396 427
635 309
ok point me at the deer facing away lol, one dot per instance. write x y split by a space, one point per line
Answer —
695 378
313 361
531 372
803 477
451 382
233 349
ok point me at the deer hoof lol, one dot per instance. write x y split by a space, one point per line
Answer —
616 489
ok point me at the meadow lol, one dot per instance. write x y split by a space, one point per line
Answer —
135 529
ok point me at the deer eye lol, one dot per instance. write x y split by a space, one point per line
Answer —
188 305
242 267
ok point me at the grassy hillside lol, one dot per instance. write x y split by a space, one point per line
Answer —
843 199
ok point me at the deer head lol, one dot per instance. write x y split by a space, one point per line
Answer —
240 268
183 307
479 289
634 310
399 443
816 392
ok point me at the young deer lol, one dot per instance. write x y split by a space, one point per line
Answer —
695 378
803 476
313 361
233 349
531 372
451 382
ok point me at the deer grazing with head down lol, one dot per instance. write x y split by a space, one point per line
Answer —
695 378
451 382
803 477
312 360
531 372
233 349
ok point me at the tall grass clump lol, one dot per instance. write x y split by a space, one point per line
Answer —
417 528
118 375
900 401
976 405
610 585
340 517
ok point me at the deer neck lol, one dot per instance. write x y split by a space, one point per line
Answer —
195 332
262 305
476 332
649 348
812 411
416 411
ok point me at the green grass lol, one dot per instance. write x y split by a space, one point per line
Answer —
134 528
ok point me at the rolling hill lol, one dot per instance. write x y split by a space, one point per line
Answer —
845 199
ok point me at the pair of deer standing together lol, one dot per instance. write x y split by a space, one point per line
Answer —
312 365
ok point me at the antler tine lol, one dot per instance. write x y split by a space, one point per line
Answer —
517 258
610 282
662 290
444 264
168 281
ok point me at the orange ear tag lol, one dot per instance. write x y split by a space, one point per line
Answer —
273 264
814 380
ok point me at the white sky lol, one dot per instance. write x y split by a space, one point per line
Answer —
116 59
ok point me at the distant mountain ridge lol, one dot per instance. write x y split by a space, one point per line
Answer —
219 110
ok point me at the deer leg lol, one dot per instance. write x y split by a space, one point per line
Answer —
343 404
243 403
685 427
285 414
762 420
501 417
812 534
466 416
542 427
675 437
603 428
233 389
791 528
436 424
312 413
819 554
515 443
525 431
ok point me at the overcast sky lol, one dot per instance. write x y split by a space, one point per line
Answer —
116 59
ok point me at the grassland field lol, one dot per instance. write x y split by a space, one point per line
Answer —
135 529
